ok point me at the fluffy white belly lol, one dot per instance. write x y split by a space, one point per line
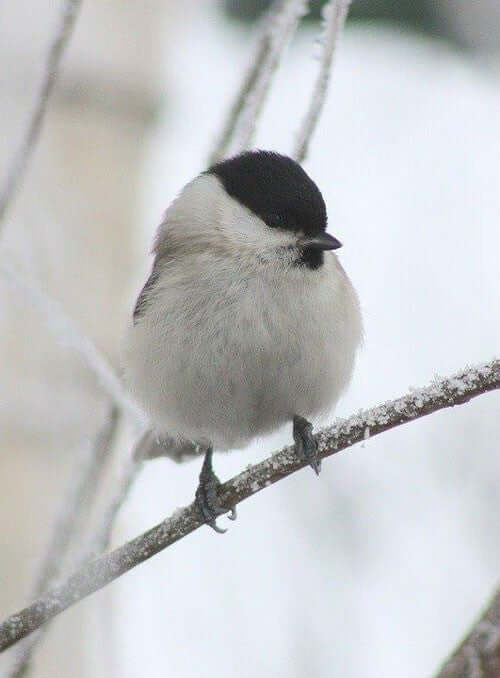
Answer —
211 360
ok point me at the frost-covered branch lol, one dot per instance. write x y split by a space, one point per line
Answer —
66 532
442 393
278 28
130 468
69 335
83 486
334 15
478 656
76 502
56 50
249 80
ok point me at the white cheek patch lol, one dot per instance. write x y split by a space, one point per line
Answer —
204 211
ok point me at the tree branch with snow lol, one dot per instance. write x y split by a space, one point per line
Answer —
440 394
334 16
69 335
278 27
478 656
77 499
21 159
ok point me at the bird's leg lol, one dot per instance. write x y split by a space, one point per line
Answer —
305 443
206 498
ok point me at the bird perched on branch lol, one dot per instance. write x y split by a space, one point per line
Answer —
247 320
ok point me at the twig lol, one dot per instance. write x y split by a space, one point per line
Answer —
79 495
278 28
334 14
129 472
147 447
442 393
249 79
49 78
78 498
69 335
478 656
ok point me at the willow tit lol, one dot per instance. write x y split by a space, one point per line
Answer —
245 322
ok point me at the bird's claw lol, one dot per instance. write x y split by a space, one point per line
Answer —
206 498
305 443
216 528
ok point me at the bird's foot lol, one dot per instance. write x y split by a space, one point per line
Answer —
206 498
305 443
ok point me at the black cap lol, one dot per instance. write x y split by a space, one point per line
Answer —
276 189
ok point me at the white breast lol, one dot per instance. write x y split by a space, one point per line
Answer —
231 353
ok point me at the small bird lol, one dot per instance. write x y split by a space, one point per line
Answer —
247 320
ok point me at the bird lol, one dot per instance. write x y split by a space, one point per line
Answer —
247 320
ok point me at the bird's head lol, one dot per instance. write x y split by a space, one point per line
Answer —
257 204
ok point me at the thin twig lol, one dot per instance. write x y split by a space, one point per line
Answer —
334 15
278 28
79 495
442 393
147 447
49 78
249 80
78 498
478 656
69 335
128 473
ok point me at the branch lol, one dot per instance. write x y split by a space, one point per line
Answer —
249 80
78 495
279 26
77 501
334 15
80 499
32 133
478 656
69 335
128 473
442 393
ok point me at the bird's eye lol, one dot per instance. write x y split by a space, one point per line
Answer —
275 220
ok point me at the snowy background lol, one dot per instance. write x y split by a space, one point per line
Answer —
380 566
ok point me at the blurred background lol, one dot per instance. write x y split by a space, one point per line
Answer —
379 567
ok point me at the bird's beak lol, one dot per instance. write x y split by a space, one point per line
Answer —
322 241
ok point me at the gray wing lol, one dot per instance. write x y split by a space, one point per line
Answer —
162 252
143 299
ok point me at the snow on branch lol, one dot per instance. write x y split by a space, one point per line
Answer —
278 27
478 656
69 335
21 158
128 472
78 498
442 393
334 15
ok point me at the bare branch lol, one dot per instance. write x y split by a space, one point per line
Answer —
442 393
69 335
279 26
478 656
77 500
51 71
334 15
